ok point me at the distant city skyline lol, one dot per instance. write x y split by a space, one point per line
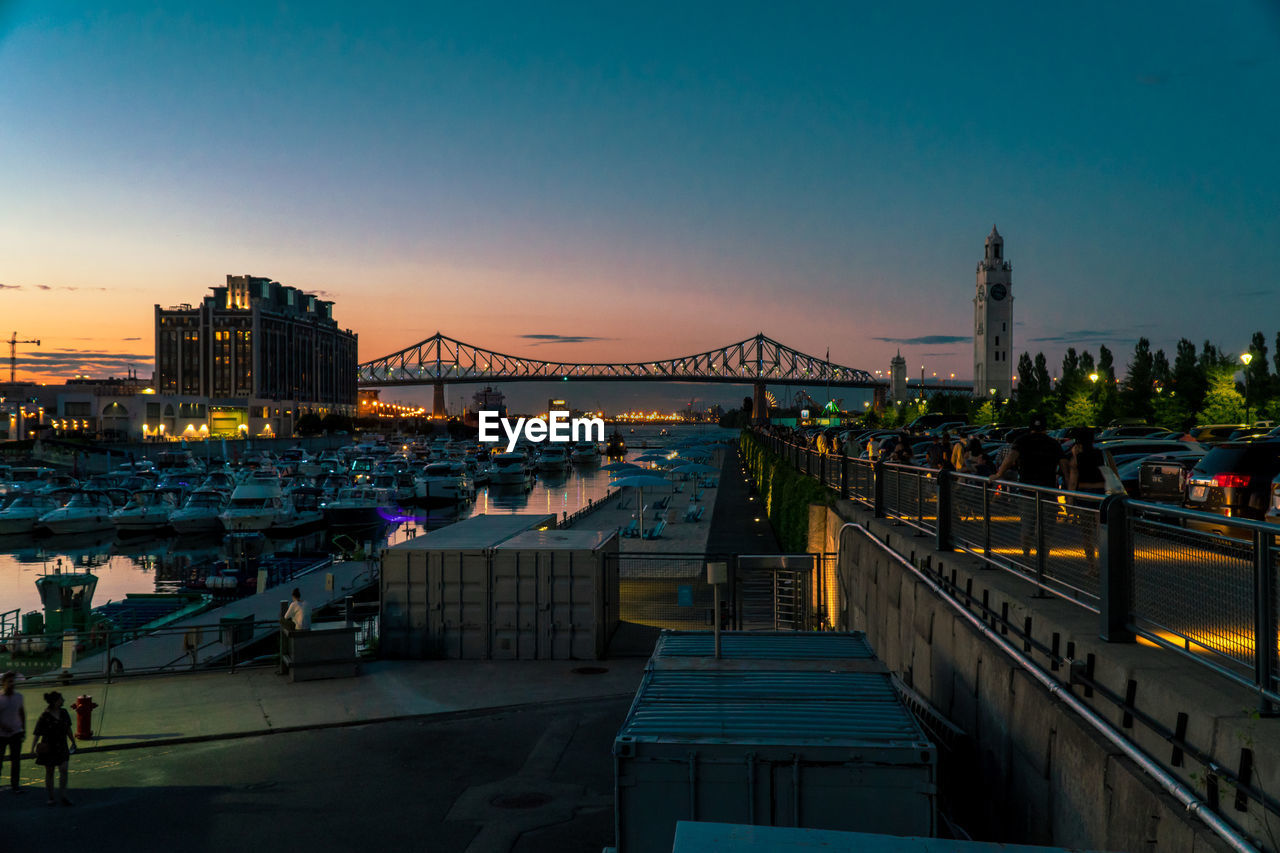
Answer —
605 184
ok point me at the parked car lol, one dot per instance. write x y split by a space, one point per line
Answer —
1210 433
1162 477
1273 508
1233 480
1246 433
1142 431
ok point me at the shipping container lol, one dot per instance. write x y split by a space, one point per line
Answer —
779 747
735 838
847 651
494 591
554 595
414 586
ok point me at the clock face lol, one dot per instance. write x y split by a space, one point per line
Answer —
998 292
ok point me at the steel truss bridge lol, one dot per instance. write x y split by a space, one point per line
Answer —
756 361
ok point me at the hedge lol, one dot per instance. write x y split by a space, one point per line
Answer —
786 493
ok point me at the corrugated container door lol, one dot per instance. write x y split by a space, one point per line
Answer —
404 606
515 604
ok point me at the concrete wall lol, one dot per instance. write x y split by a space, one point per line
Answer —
1040 775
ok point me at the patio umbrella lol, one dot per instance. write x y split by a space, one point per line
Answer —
619 466
694 468
650 457
640 482
626 470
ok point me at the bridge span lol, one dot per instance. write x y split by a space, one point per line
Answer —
757 361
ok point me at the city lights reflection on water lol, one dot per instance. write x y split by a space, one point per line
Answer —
151 565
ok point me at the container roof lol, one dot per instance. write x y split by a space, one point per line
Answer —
555 540
477 532
766 645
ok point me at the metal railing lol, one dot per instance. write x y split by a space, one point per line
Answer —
1195 582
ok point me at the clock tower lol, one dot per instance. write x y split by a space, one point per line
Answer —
993 322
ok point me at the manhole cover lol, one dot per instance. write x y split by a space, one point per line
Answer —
591 670
526 800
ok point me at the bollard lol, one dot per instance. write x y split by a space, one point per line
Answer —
1115 560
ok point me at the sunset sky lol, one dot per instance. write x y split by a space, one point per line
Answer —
638 181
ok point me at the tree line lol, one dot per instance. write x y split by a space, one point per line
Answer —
1198 386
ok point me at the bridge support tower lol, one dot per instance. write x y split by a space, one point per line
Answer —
437 402
760 404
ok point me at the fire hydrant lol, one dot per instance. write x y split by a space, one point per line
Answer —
83 706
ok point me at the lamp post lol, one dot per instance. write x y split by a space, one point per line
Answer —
1246 357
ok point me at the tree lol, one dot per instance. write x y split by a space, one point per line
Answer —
1106 365
1257 373
1081 410
1161 375
1188 378
309 424
986 413
1043 381
1027 389
1073 377
1169 409
1139 381
1223 404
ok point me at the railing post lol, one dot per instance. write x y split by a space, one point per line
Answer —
1265 628
107 658
986 523
1041 557
844 477
943 527
877 488
1115 559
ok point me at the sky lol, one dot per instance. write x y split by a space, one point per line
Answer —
625 182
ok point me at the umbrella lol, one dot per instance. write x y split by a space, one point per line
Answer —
626 469
640 482
650 457
619 466
694 468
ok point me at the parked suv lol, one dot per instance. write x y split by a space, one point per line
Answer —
1214 432
1163 477
1233 480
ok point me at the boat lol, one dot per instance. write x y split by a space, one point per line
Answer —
200 513
359 506
147 510
302 511
23 513
87 511
615 446
256 504
586 453
509 469
445 483
554 459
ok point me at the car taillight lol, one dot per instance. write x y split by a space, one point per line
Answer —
1231 481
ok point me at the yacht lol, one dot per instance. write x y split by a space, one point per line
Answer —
255 505
586 452
444 483
147 510
554 459
303 510
616 445
509 469
87 511
200 513
25 511
358 506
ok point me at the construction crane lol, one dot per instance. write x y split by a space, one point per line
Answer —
13 355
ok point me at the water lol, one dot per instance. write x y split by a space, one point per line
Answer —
157 565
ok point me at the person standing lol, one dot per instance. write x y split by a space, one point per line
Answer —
957 451
1084 474
1039 460
54 745
13 728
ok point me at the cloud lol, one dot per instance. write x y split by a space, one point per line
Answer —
927 339
539 340
10 287
94 362
1085 335
1244 294
939 354
65 287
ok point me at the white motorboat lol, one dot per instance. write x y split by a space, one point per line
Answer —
87 511
359 506
200 513
22 514
302 510
554 459
509 469
147 510
256 504
444 483
586 453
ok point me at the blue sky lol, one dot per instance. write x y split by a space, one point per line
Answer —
663 178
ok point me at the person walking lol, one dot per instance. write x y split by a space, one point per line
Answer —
1039 460
13 728
54 745
1084 474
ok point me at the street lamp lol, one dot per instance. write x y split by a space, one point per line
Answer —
1246 357
1093 377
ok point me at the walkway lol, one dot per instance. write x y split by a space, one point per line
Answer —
739 524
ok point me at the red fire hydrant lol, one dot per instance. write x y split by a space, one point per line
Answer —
83 706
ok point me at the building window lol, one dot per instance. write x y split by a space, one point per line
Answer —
997 340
